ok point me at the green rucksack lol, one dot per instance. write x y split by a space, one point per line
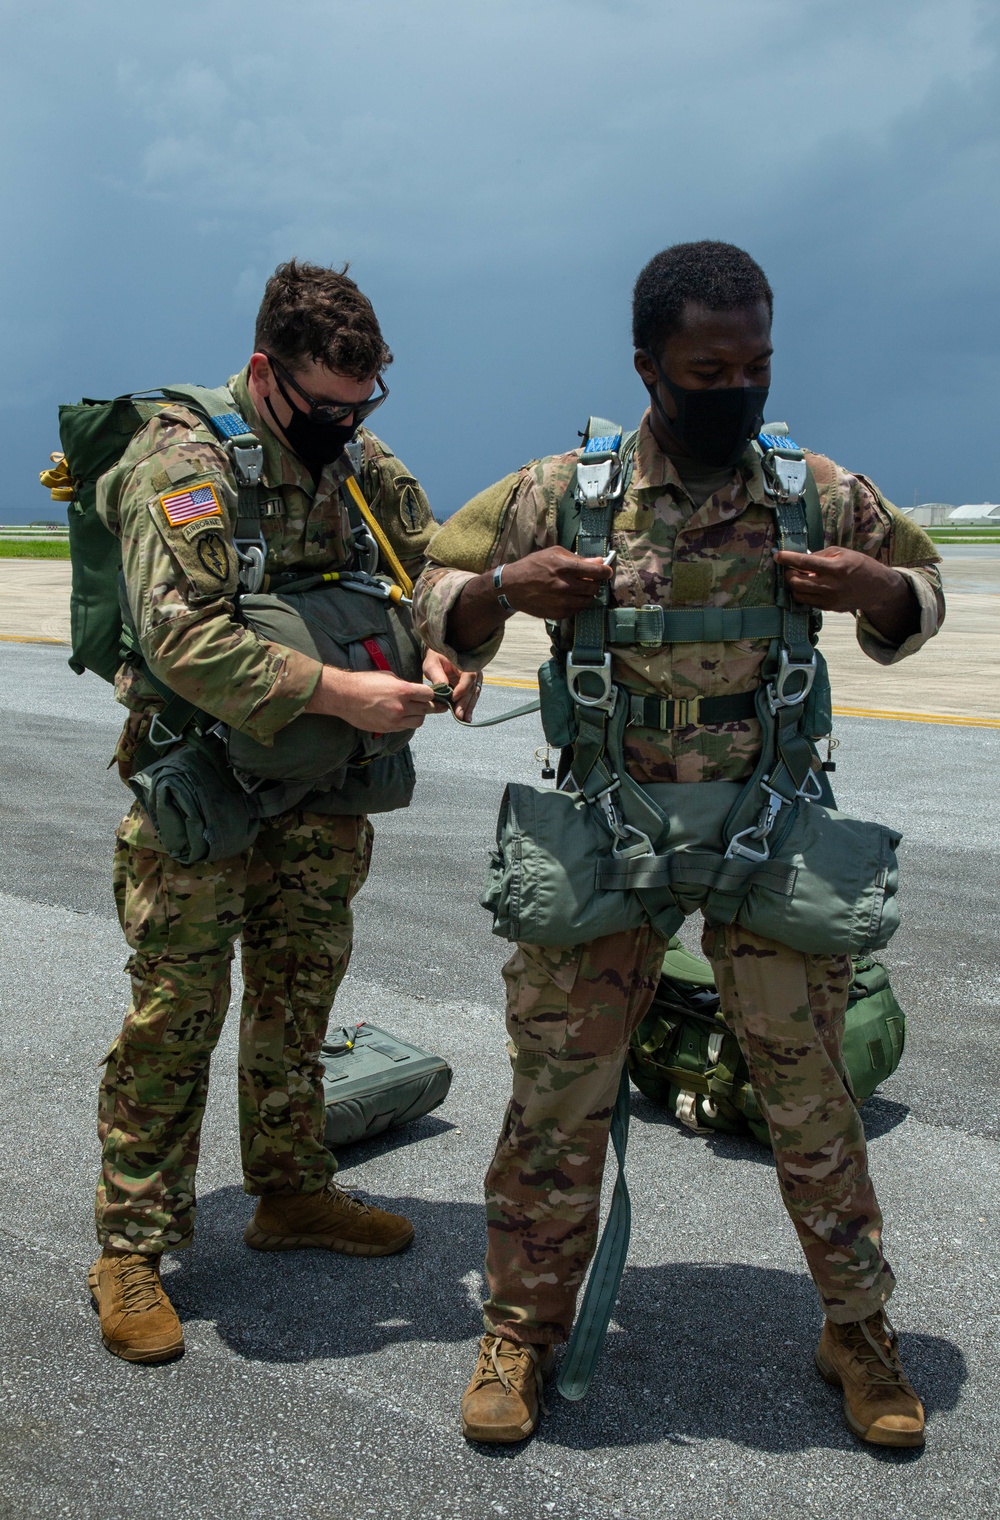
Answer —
683 1055
94 436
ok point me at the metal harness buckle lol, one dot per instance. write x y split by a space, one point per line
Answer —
607 695
157 724
250 554
761 830
598 479
789 670
248 463
620 829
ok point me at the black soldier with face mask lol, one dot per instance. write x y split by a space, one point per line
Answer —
691 538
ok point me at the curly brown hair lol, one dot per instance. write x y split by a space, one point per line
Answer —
310 312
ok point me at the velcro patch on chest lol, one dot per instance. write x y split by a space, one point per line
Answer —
691 582
180 507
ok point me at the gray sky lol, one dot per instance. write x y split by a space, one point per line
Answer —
497 174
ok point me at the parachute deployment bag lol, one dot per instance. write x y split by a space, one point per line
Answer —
374 1081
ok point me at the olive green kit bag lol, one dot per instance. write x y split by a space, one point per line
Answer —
684 1056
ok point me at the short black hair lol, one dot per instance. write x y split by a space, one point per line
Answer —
312 312
716 275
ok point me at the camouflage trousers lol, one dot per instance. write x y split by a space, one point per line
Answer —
569 1016
289 900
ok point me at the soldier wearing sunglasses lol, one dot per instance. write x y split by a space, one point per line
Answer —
314 377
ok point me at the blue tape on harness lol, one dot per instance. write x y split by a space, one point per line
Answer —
230 425
776 441
606 445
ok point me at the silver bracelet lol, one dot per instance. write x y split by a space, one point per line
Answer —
497 578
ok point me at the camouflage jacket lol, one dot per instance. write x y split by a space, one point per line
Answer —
181 569
670 551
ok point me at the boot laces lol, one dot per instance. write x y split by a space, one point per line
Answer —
495 1351
139 1284
346 1200
880 1366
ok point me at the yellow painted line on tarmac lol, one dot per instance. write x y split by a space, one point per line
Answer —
841 712
916 717
23 638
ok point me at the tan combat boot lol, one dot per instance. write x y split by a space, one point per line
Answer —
138 1321
879 1404
331 1220
504 1399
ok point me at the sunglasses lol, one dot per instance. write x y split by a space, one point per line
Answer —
329 411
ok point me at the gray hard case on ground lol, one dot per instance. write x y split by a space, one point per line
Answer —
374 1081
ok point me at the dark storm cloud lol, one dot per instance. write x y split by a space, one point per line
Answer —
497 175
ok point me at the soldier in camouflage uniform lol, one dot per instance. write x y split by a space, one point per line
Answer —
172 501
692 530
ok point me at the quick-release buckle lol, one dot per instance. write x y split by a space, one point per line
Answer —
604 697
598 479
687 710
784 462
248 463
620 829
777 691
759 831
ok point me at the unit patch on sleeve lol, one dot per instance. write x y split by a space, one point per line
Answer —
214 556
181 507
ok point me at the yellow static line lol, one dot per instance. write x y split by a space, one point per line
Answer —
842 712
21 638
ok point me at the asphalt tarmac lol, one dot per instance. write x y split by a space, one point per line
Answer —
322 1386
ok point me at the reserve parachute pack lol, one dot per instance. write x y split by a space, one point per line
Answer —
603 854
685 1057
205 785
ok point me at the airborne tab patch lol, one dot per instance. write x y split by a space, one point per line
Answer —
185 506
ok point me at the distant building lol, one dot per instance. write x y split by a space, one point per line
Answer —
929 514
984 512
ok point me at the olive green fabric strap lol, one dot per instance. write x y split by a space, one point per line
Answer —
657 625
684 868
815 531
609 1264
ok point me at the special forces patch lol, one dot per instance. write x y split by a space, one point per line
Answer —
409 510
213 553
181 507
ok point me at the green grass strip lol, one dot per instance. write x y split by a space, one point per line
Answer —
43 550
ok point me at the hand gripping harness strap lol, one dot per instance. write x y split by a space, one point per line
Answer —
785 769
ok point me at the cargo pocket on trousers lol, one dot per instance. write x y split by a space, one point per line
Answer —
539 981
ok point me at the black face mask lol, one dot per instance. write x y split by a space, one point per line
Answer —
714 426
315 441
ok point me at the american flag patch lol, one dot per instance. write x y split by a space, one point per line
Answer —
184 506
